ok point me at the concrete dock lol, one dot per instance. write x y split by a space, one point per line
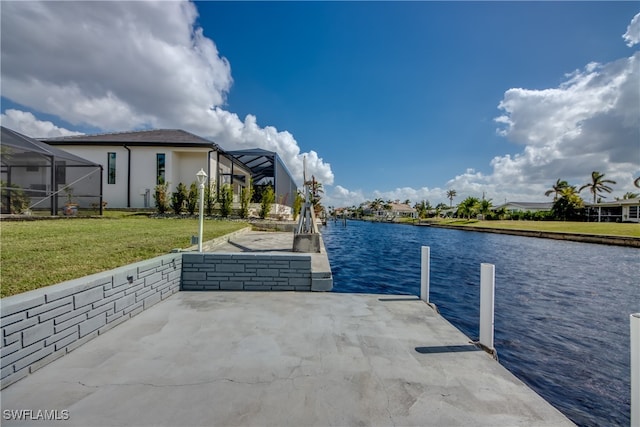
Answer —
279 359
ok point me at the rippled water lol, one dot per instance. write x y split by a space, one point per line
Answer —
561 308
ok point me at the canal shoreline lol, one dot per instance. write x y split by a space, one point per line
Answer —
628 241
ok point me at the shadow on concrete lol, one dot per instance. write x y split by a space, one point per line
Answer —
447 349
407 298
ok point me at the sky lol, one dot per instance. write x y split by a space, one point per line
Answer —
391 100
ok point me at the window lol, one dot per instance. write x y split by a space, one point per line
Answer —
111 168
633 211
61 172
160 168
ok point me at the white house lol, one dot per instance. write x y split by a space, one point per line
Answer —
135 162
393 210
524 207
626 210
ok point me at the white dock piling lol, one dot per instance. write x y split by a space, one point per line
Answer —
487 292
424 274
635 369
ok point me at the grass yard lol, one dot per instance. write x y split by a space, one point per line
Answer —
40 253
599 228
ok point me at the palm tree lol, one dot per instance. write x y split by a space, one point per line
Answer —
468 207
484 207
450 195
376 204
556 189
629 195
422 208
636 182
597 185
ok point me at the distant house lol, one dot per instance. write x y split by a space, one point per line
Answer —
135 162
512 207
627 210
394 211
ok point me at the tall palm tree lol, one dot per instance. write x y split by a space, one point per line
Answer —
556 189
450 195
636 182
597 185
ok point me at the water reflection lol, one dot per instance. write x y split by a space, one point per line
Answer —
562 308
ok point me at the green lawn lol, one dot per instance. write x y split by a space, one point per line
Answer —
40 253
600 228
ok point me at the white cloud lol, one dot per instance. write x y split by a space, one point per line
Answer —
130 65
27 124
340 196
632 36
589 122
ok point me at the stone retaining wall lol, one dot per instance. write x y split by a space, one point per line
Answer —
42 325
246 271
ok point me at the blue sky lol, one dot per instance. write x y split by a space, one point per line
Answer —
386 99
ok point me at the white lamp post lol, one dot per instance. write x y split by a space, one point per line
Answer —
202 177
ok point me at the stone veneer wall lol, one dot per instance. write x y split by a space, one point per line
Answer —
246 272
42 325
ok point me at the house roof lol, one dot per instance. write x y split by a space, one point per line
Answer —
526 205
616 203
22 145
401 207
153 137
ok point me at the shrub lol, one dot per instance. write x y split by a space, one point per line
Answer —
226 200
245 199
268 198
178 198
192 198
161 197
13 199
210 198
297 205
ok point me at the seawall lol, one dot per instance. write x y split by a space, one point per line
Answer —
575 237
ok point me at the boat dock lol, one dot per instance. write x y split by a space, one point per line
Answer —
231 358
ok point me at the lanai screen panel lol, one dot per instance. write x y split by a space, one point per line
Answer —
37 176
268 168
286 187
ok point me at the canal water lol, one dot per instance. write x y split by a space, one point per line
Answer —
561 308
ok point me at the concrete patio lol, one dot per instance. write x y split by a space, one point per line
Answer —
280 359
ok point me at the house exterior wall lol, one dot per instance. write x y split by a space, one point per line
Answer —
181 165
631 213
627 210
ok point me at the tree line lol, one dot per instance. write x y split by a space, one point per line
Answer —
567 203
